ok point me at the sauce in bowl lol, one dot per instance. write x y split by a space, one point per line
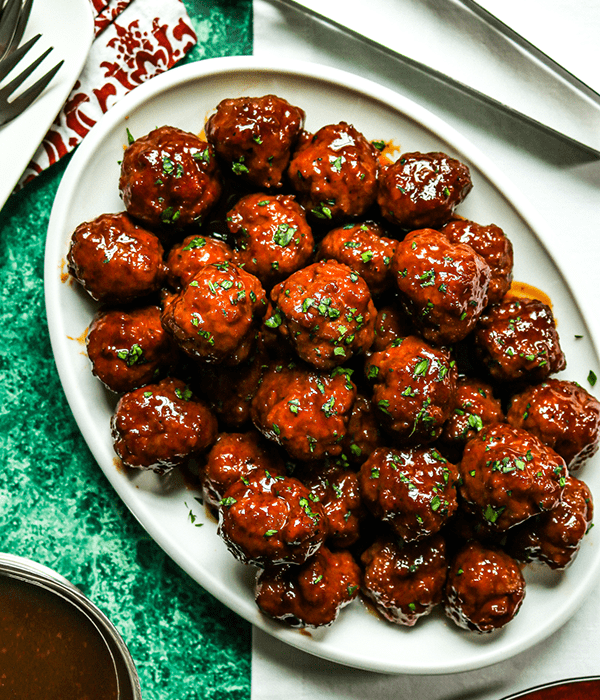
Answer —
49 648
55 644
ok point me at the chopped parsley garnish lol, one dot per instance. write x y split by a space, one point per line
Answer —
133 356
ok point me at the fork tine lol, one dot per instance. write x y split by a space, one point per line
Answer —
9 62
21 25
10 110
22 77
8 23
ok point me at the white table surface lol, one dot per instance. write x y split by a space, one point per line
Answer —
563 184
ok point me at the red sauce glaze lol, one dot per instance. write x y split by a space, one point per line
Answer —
49 649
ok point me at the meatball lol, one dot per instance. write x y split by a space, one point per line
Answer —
229 390
494 247
485 588
517 341
414 389
338 491
254 137
115 260
169 179
326 312
555 537
365 249
215 318
405 582
128 348
312 594
391 323
563 415
266 520
421 190
187 257
160 426
234 456
413 490
475 407
443 285
272 236
363 434
509 476
335 173
305 411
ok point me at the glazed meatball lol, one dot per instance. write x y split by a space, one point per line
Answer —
305 411
234 456
476 406
254 137
229 390
338 491
563 415
391 323
509 476
115 260
272 238
267 520
414 388
326 312
443 285
365 249
169 179
363 434
335 173
405 582
494 247
215 318
421 190
555 537
310 595
128 348
485 588
517 341
160 426
187 257
413 490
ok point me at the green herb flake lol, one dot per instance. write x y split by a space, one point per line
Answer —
284 234
421 367
274 321
238 167
133 356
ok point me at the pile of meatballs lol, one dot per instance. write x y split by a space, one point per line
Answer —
307 326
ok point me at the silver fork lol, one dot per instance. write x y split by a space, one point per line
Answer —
13 19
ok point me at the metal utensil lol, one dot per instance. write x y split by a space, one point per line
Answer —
505 70
14 15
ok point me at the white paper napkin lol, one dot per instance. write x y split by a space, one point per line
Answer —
563 183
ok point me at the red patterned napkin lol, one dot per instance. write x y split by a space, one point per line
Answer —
134 41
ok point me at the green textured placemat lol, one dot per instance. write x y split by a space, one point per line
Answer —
56 506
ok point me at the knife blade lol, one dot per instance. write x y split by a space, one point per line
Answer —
494 63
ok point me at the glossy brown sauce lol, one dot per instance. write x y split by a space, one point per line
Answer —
528 291
49 649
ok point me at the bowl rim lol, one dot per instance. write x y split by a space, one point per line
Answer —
32 572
